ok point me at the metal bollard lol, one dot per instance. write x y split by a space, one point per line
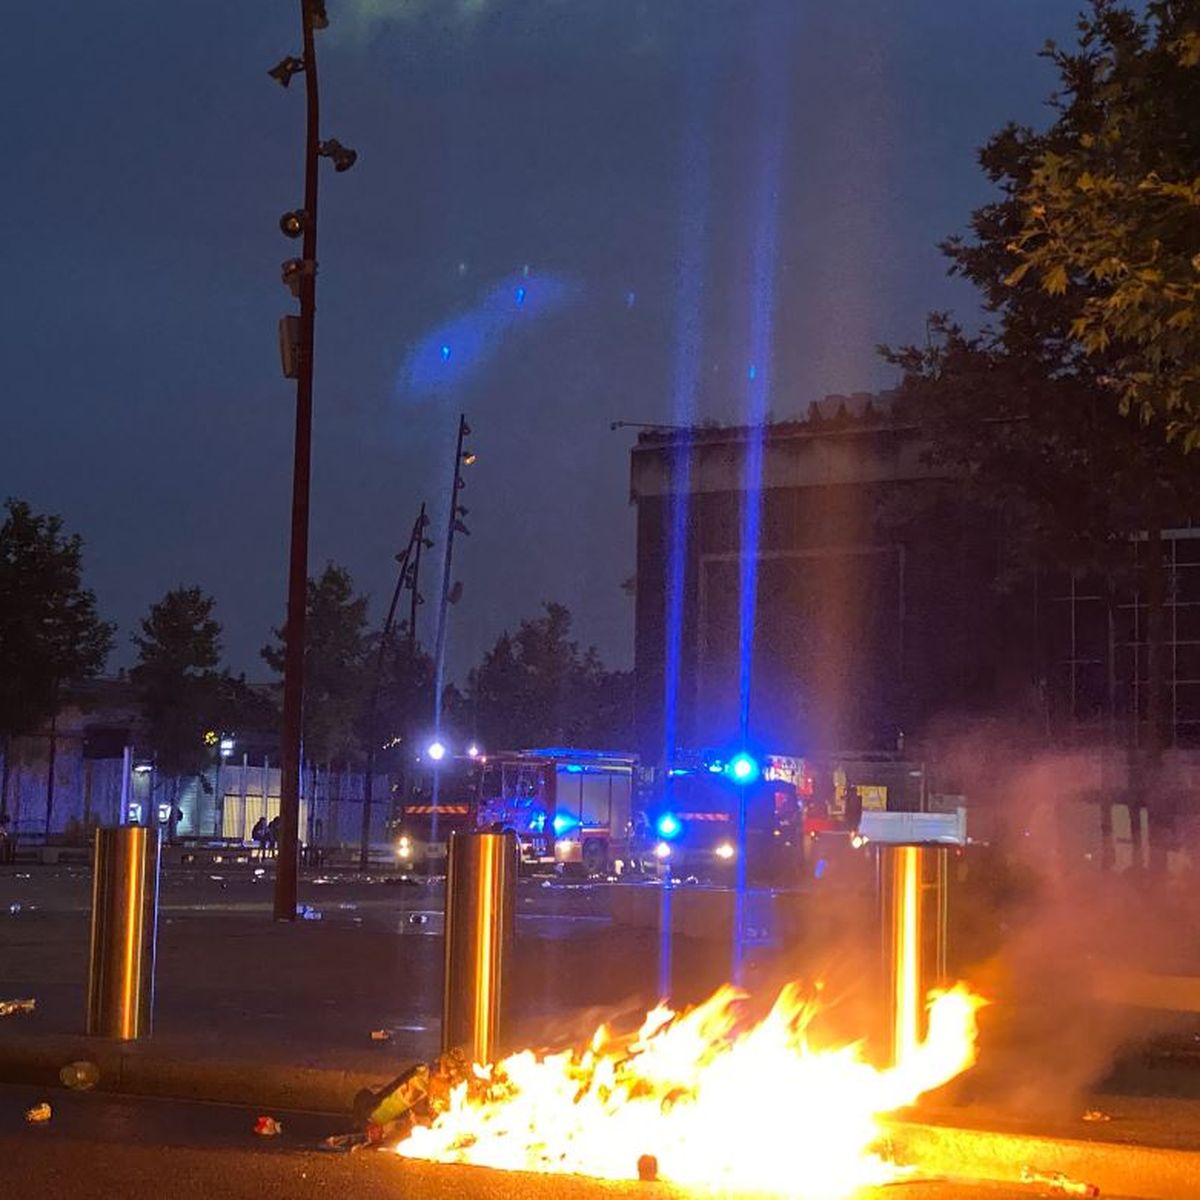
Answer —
481 901
913 911
120 1002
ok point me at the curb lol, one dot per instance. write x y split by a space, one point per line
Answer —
137 1069
1115 1168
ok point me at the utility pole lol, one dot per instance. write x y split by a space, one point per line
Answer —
297 347
405 577
454 524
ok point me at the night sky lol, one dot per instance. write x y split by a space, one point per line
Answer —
509 244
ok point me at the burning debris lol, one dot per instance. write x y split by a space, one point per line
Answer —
700 1098
9 1008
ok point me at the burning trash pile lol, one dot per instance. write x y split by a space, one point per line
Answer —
704 1098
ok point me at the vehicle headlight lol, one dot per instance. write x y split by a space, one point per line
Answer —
662 850
725 850
403 847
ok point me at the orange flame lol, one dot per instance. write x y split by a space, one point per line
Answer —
753 1110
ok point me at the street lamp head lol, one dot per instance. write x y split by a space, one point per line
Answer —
285 68
226 747
342 156
293 224
317 14
436 750
469 458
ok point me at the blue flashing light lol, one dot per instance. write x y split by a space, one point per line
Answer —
537 822
668 826
519 296
564 821
743 768
715 768
445 352
574 769
675 772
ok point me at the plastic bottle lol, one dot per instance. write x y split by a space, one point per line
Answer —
80 1075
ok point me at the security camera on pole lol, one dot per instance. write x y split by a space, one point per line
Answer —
296 337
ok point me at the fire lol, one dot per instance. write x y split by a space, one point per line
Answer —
718 1106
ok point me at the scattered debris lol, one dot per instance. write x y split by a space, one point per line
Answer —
9 1007
39 1114
80 1076
348 907
418 918
420 1092
268 1127
217 878
1056 1181
14 909
647 1167
1094 1114
307 913
345 1143
381 1035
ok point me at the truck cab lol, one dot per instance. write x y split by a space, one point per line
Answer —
691 817
421 832
571 809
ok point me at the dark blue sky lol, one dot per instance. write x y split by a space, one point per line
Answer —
528 171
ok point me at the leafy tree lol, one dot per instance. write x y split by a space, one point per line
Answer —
1110 209
183 693
336 666
1024 411
537 687
50 634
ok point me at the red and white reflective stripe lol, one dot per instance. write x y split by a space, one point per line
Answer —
704 816
450 810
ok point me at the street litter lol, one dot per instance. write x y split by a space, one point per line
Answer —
8 1007
14 909
81 1076
217 878
418 918
345 1143
259 871
306 912
268 1127
381 1035
39 1114
1094 1114
1057 1182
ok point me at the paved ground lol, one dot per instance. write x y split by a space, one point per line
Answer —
282 1013
100 1147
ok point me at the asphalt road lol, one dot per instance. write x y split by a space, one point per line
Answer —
102 1147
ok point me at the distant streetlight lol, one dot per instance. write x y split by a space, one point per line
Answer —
226 747
436 750
472 751
297 338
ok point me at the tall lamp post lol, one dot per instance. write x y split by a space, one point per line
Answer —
409 559
454 524
296 339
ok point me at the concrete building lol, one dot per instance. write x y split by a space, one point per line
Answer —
879 603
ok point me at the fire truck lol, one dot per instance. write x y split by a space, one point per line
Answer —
691 816
421 832
570 809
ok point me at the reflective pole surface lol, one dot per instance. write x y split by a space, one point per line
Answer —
481 901
120 1000
913 910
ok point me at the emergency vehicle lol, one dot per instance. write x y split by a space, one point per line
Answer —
570 809
691 813
421 831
